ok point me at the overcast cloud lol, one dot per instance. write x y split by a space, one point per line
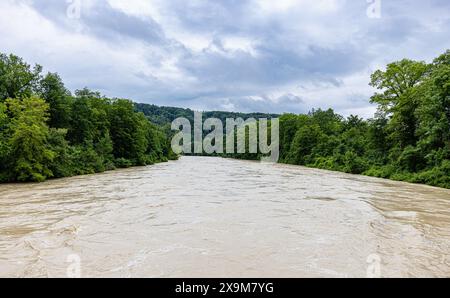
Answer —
240 55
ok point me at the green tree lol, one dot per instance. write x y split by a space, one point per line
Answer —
434 111
4 146
30 153
17 78
377 139
305 140
53 91
398 98
81 139
289 124
128 132
89 120
62 164
329 122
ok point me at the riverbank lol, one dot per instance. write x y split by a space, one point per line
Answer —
414 178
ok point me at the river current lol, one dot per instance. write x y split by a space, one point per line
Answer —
214 217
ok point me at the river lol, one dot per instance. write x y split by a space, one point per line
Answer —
213 217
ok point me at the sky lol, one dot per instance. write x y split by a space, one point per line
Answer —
238 55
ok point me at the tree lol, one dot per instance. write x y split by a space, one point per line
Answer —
128 132
80 138
434 111
306 138
330 123
398 98
30 153
433 115
53 91
17 78
289 124
88 118
4 148
156 145
62 164
377 138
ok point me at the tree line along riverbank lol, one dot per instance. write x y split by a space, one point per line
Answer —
408 139
48 132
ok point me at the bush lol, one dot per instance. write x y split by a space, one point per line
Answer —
123 163
353 163
438 176
381 171
327 163
411 159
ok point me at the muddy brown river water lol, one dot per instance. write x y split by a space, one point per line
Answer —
213 217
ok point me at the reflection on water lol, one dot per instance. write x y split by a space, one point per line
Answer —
212 217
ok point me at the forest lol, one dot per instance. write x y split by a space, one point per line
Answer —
408 139
47 132
165 115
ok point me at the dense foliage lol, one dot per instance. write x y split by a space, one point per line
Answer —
45 132
165 115
408 139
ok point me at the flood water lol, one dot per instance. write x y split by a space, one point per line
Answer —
213 217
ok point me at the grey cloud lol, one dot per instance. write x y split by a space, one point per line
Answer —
282 104
102 20
219 16
274 66
294 52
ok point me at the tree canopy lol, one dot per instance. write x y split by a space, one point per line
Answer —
46 132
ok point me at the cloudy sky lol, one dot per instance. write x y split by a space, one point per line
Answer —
239 55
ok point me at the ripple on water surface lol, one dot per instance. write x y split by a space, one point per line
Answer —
213 217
